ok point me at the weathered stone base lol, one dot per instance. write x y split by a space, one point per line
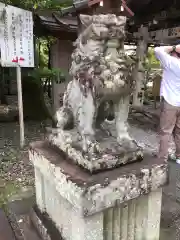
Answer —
133 220
44 226
112 154
123 203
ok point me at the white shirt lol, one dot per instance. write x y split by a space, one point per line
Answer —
170 85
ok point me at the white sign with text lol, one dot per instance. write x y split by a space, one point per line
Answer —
17 45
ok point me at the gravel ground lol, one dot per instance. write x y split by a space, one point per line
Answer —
14 163
15 169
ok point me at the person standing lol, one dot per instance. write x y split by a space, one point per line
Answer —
169 57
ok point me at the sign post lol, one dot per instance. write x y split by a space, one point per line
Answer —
17 48
20 106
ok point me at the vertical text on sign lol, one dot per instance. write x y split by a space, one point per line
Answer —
17 42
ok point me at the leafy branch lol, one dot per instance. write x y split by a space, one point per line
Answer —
35 5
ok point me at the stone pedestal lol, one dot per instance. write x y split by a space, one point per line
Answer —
123 203
112 155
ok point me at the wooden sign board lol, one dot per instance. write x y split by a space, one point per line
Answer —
17 45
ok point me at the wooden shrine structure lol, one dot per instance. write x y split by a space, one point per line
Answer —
150 22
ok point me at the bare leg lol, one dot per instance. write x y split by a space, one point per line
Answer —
121 110
177 135
167 124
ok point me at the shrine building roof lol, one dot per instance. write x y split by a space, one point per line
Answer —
156 14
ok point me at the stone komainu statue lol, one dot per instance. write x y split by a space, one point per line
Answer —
101 73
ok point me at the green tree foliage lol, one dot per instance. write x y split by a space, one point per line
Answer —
42 48
34 5
151 58
44 73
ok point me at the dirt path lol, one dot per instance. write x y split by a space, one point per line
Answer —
15 169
